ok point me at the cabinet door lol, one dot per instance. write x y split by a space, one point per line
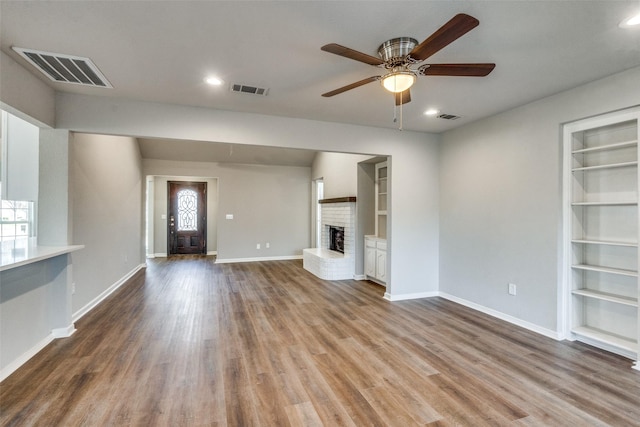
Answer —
381 265
370 262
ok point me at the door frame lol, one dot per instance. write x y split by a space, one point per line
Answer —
201 213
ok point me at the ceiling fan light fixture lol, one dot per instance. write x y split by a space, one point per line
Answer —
213 81
631 22
398 81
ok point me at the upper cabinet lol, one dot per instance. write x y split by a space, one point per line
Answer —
382 194
601 237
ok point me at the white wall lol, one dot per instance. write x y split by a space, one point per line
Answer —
268 203
20 144
413 243
107 186
501 210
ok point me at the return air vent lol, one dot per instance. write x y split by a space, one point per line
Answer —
65 68
448 117
251 90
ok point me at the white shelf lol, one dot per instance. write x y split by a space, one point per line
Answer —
615 146
603 296
603 242
600 269
607 166
601 231
606 203
606 338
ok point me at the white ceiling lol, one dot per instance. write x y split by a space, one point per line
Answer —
161 51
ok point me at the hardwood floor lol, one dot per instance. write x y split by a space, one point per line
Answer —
193 343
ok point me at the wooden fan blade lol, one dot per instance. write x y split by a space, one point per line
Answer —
352 54
471 70
351 86
458 26
403 97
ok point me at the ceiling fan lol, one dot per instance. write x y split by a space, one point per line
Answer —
399 56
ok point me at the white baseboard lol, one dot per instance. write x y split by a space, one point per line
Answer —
491 312
13 366
63 332
359 277
636 365
158 255
164 255
402 297
259 259
506 317
97 300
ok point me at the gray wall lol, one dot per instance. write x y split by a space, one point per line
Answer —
413 243
25 95
339 172
160 208
269 204
106 182
501 210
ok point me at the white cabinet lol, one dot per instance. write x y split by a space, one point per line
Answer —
375 261
601 231
375 246
370 260
382 193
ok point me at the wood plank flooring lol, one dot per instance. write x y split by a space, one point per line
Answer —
193 343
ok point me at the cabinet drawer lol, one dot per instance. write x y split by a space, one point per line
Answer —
382 245
370 243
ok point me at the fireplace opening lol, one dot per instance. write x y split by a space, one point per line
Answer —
336 239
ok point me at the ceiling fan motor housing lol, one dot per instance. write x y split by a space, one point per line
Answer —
394 52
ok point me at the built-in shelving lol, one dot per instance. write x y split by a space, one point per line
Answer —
381 201
602 231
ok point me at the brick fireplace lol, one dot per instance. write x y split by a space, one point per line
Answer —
330 264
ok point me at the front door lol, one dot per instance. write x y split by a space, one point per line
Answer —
187 218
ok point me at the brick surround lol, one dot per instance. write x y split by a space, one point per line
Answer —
327 264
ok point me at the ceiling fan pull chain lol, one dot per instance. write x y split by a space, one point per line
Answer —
400 128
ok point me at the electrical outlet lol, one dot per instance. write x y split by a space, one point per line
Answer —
73 288
512 289
258 246
266 245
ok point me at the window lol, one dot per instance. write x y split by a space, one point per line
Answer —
187 210
16 220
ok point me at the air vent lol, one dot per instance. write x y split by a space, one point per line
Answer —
65 68
251 90
448 117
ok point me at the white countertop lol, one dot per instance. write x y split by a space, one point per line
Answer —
16 253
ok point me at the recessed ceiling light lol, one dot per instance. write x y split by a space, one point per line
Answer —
213 81
631 22
431 112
